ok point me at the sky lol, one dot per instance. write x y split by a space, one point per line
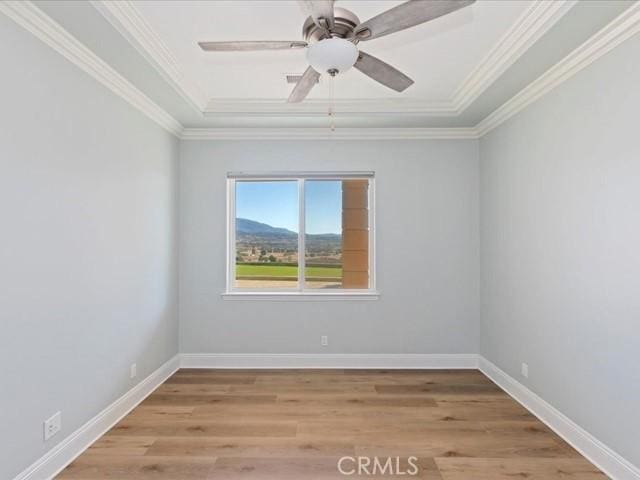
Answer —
276 204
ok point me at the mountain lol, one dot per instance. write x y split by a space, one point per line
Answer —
250 229
257 229
250 233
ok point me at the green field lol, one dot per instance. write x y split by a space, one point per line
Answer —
244 270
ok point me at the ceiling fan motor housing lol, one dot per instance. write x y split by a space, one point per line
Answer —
344 24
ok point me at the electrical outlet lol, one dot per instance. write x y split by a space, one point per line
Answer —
324 340
525 370
52 425
133 371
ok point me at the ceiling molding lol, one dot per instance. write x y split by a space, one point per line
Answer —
530 26
327 134
613 34
27 15
128 21
622 28
527 29
34 20
319 108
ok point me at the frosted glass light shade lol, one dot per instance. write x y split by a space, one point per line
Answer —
332 54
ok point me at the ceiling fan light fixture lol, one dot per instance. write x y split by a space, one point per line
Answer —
332 55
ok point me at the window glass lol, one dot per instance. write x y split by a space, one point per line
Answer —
337 234
266 235
324 218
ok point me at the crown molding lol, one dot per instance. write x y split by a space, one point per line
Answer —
327 134
613 34
528 28
129 22
35 21
277 107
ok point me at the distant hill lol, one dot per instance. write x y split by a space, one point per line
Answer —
251 231
322 246
257 229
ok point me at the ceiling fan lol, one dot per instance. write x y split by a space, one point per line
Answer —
331 35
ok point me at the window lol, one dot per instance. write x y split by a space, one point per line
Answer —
302 234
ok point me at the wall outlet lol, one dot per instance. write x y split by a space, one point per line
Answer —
525 370
133 371
52 425
324 340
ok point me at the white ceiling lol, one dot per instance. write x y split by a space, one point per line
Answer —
438 55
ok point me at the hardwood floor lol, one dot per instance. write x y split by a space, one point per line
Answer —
297 424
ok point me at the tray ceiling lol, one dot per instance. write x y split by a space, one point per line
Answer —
438 55
471 68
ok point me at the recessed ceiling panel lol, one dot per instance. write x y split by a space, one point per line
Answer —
438 55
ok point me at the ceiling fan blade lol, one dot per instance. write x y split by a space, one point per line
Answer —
320 10
303 87
248 46
406 15
382 72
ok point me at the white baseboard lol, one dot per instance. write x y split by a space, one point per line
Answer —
612 464
328 360
68 449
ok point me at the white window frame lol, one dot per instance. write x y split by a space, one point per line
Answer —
299 293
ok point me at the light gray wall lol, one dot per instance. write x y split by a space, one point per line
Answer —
561 248
88 263
427 255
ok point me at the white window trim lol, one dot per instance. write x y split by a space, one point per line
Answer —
234 293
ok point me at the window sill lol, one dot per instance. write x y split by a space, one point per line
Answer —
302 296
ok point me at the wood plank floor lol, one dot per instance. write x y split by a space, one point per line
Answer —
297 424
